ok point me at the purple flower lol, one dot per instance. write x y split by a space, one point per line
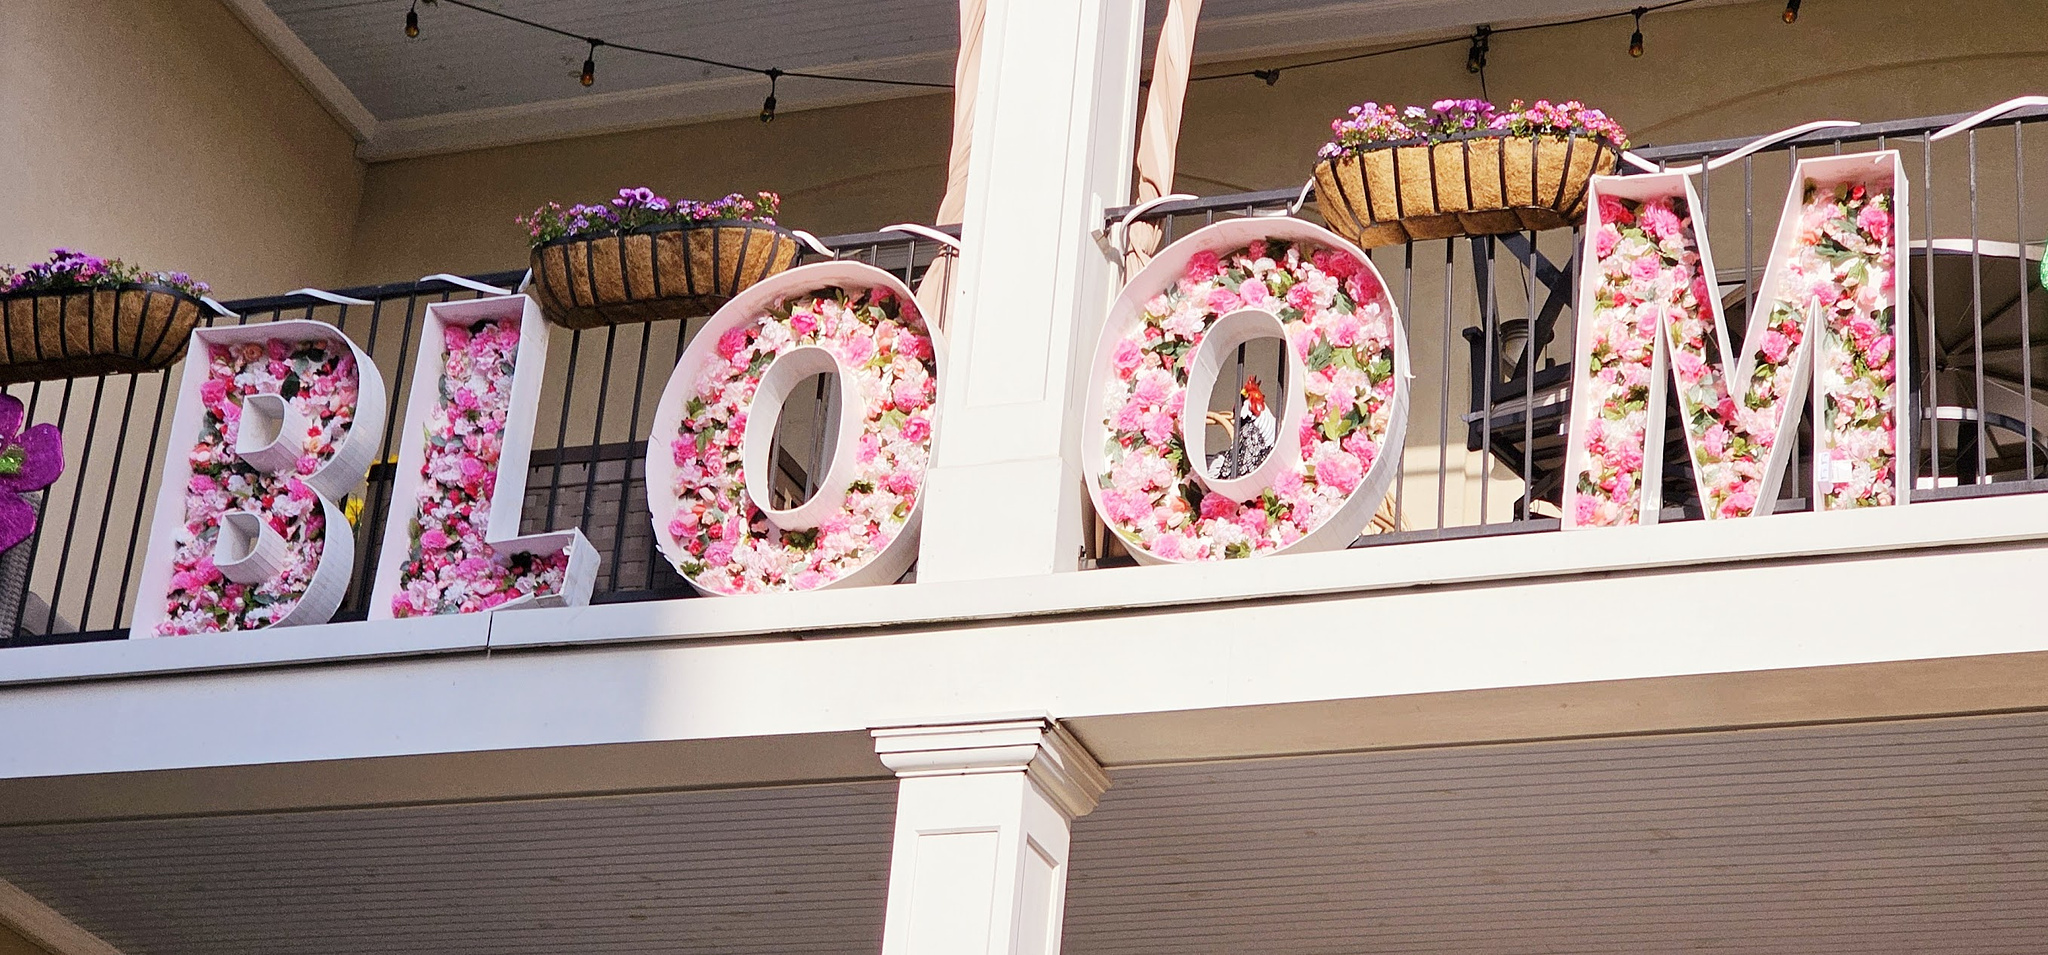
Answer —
29 461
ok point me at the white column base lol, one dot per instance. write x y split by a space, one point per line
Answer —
982 835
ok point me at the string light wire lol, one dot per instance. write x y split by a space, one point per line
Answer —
1446 41
769 72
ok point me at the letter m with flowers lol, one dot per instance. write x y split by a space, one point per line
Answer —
1824 319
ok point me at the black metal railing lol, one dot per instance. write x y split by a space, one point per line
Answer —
1486 429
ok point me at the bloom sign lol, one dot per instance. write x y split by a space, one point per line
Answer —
1825 313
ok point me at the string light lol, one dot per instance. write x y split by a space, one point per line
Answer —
768 105
1791 11
1475 59
590 63
1635 40
412 20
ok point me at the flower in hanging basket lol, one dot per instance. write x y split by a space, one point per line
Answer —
30 460
69 271
78 315
1461 167
645 257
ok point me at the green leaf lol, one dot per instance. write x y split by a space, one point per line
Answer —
1319 356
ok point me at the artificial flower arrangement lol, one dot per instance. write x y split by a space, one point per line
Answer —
1391 174
1844 276
645 257
449 567
31 459
319 379
1343 329
1648 268
715 534
78 315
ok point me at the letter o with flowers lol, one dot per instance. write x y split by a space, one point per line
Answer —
1339 431
709 461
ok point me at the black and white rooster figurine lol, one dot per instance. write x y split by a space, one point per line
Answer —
1252 435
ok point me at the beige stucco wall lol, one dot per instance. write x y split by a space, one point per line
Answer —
846 169
1708 73
163 132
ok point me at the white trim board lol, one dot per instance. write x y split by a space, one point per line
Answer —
307 66
1133 593
45 926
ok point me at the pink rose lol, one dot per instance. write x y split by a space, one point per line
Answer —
1127 358
917 428
1202 266
1253 291
1223 301
213 392
433 542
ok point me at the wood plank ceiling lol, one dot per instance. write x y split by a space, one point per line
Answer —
1923 837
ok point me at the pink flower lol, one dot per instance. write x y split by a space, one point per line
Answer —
1202 266
1216 506
1127 357
212 392
1614 212
433 541
917 428
1301 296
1660 222
1253 291
1875 221
732 343
1224 301
1341 471
1775 346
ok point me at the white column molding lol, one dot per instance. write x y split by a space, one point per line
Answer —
982 834
45 926
1036 746
1054 121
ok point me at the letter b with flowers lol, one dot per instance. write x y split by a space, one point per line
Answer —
1825 312
274 423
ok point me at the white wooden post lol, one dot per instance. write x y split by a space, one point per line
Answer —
980 858
1053 128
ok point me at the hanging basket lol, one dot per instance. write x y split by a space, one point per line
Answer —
125 329
656 272
1487 183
